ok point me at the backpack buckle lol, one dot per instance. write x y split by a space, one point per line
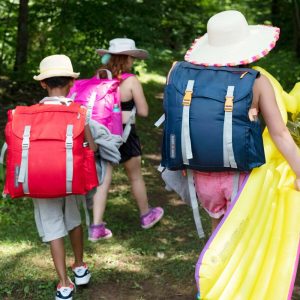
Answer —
187 98
228 107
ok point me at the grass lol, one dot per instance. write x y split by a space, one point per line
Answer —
134 264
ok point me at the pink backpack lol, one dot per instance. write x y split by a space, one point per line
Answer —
102 99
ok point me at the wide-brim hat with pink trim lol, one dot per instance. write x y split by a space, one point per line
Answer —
230 41
124 46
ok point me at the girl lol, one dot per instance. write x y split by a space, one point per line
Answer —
119 60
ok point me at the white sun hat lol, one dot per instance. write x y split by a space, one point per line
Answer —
124 46
230 41
54 66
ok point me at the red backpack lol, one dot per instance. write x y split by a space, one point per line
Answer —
46 153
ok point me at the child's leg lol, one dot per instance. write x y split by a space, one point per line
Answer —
76 238
100 197
138 188
215 223
80 270
57 248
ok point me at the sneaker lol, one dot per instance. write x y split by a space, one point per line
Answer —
65 292
99 232
82 275
153 216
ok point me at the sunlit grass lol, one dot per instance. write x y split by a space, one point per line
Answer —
134 259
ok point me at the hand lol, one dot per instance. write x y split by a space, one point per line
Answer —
297 183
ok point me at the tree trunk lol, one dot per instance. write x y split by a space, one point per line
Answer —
275 12
22 37
297 27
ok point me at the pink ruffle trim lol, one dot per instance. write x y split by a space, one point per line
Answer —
237 63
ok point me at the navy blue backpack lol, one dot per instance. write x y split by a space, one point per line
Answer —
207 127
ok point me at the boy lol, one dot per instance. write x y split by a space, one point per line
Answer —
55 218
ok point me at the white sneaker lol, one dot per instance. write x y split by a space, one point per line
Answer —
82 275
65 292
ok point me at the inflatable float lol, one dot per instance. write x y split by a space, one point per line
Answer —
253 254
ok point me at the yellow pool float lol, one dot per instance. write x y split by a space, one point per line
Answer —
253 254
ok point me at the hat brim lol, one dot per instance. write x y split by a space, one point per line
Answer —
46 75
260 41
137 53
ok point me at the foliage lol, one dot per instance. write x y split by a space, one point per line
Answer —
165 27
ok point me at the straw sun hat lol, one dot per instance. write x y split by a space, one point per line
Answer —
54 66
123 46
230 41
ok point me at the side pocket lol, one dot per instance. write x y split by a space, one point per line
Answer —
117 126
89 169
256 154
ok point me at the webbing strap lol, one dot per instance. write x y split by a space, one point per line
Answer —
90 106
23 174
235 188
186 144
3 150
69 158
194 204
160 120
228 155
127 127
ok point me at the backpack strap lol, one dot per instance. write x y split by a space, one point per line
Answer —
23 173
127 127
3 150
160 120
69 158
194 203
90 105
186 145
235 189
126 75
228 155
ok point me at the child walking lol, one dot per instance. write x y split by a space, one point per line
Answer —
56 218
119 60
230 41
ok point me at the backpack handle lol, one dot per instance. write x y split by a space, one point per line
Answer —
108 73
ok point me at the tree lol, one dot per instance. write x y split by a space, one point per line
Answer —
22 37
297 27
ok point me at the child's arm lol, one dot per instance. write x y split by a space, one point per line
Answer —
277 129
89 138
139 97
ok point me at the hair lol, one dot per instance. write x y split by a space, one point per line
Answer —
57 81
117 64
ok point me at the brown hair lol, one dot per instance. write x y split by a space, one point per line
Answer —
117 64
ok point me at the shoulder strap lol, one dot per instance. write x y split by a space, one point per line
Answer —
126 75
173 66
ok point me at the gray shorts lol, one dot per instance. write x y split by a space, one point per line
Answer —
54 218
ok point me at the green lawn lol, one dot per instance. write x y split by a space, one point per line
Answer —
135 264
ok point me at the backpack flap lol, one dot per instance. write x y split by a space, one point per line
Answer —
48 122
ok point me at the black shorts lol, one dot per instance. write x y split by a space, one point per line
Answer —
132 147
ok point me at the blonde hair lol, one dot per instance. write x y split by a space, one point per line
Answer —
117 64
